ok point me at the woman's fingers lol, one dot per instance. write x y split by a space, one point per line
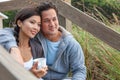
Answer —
35 65
39 72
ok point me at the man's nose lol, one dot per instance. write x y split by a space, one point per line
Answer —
51 23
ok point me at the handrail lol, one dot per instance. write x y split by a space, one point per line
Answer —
11 70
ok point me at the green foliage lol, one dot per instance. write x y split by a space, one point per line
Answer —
105 7
102 61
8 22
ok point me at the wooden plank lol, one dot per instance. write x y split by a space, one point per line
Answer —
18 4
89 24
11 70
64 21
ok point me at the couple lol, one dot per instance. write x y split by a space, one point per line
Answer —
62 51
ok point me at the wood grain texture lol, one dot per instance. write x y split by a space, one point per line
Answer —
18 4
11 70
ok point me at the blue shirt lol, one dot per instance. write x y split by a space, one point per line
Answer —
52 51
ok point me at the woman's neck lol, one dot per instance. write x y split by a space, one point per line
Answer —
24 47
23 40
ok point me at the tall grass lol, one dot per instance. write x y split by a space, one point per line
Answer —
109 8
102 61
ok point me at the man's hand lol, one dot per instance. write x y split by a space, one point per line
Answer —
15 53
38 73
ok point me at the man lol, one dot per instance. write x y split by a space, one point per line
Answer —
62 51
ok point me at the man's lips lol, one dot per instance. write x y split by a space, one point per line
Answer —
52 29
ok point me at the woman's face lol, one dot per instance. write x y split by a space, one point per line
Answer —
30 27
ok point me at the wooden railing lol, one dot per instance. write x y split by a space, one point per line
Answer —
96 28
11 70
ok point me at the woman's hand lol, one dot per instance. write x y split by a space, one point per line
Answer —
38 73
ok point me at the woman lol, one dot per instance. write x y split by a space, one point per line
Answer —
28 23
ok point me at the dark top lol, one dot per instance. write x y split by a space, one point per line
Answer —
36 47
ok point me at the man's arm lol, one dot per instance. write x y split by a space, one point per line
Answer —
77 63
7 40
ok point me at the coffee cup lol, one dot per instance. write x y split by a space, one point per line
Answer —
41 62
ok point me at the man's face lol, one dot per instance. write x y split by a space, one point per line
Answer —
50 23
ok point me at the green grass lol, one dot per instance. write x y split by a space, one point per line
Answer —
102 61
109 8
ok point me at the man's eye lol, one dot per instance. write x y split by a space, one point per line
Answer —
46 20
54 19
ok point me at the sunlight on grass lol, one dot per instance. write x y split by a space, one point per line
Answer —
102 61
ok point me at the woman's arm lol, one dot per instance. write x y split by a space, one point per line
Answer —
15 53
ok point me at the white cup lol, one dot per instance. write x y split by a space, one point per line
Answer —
41 62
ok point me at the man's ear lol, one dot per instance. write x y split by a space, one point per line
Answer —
19 23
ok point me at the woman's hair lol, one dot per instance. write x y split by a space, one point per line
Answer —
22 15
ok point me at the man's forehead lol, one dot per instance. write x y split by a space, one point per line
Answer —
49 13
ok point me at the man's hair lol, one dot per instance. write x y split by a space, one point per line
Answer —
46 6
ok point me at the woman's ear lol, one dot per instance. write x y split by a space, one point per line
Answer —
19 23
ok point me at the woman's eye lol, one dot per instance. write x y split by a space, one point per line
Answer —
32 22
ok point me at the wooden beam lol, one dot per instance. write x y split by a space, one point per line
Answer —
11 70
18 4
96 28
67 24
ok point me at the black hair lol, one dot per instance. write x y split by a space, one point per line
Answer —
46 6
22 15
